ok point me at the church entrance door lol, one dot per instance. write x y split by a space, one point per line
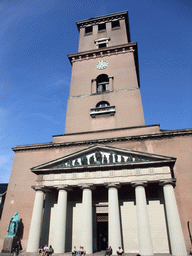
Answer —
102 232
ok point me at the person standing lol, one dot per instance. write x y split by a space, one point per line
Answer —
17 248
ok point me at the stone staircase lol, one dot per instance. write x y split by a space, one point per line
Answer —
102 253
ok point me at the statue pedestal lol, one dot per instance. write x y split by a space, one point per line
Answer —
9 244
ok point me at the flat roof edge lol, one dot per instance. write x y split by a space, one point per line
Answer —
171 133
101 17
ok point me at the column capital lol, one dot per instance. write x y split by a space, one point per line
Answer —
63 187
142 183
87 186
42 188
167 181
113 185
39 187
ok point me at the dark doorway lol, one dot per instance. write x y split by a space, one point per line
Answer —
102 232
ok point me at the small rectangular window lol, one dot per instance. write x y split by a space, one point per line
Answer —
115 24
101 26
102 45
88 30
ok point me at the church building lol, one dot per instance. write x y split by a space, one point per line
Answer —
110 180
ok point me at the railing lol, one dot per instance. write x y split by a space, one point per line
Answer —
102 110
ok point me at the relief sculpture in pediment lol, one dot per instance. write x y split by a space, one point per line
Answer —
101 158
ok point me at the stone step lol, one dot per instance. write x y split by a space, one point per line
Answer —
124 254
102 253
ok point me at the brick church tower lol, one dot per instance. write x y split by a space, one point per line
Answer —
104 90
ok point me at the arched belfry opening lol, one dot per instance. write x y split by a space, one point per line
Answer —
102 83
102 104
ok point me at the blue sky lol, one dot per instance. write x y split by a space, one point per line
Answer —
37 35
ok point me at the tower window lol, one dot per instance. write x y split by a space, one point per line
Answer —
102 42
103 45
101 26
115 24
102 83
102 104
102 108
88 30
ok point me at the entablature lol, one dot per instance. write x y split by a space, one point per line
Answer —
104 177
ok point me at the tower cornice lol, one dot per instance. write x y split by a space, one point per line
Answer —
97 53
102 19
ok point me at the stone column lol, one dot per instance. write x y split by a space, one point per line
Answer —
93 86
144 234
48 203
36 221
114 226
60 231
87 222
111 87
177 241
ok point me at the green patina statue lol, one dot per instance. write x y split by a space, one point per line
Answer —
13 225
84 160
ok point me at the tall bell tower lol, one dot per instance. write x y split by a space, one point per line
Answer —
105 91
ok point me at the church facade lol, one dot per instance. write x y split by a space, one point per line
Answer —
110 180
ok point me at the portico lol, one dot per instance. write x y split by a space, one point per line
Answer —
92 186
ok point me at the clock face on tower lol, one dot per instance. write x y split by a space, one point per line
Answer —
102 64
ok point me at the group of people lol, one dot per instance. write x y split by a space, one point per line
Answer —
46 250
119 251
110 251
80 251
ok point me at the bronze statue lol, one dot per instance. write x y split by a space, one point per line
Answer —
77 162
111 158
98 156
122 159
84 160
13 225
91 160
116 158
105 159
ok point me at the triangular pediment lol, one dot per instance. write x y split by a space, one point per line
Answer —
103 157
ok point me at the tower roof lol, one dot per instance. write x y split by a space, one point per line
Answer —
116 15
